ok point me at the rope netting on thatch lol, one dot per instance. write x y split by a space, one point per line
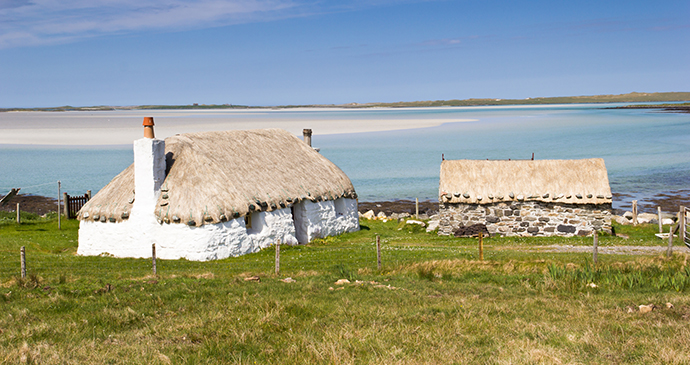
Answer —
216 176
562 181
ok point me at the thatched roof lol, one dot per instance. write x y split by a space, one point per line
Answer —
561 181
216 176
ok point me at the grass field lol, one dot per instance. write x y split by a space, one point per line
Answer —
433 302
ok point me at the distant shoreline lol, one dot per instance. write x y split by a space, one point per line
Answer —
634 97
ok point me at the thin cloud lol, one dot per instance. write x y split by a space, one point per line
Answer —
38 22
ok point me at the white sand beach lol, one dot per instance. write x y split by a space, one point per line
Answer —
122 126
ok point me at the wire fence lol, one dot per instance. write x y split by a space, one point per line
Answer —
28 255
347 261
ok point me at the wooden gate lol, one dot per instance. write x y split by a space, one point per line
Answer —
684 224
74 203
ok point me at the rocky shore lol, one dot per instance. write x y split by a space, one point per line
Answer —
35 204
682 108
669 203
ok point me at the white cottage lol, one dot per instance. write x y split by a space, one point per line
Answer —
211 195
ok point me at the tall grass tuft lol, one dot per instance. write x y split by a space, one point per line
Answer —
651 277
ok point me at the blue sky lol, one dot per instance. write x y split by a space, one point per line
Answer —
275 52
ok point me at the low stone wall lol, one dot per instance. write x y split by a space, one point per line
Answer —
527 218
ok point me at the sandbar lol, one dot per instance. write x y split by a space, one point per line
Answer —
102 128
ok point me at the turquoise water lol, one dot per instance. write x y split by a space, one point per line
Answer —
646 152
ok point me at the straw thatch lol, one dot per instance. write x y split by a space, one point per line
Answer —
216 176
562 181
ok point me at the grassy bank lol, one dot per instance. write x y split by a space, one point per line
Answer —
433 301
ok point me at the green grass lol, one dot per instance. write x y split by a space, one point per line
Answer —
433 302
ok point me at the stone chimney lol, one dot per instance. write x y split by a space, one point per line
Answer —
307 136
149 169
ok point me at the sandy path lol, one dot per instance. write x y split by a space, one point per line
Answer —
613 250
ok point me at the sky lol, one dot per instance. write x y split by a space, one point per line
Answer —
280 52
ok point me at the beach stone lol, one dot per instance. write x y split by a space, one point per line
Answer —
381 215
667 221
628 215
412 221
433 225
621 220
369 215
646 218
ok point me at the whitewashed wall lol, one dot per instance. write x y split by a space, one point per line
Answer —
133 238
326 218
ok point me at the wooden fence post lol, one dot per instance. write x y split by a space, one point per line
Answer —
22 254
378 252
658 209
278 257
416 208
634 212
58 208
153 259
65 202
669 251
88 194
19 220
595 250
481 246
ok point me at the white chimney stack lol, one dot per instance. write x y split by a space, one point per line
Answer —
149 169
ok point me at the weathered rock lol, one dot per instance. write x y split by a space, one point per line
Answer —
381 215
667 221
646 218
433 225
566 228
628 215
646 308
412 221
473 230
621 220
369 215
492 219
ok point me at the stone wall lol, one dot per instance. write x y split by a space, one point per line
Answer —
531 218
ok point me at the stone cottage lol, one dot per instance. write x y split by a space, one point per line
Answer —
525 197
211 195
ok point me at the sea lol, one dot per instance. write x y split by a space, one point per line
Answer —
647 152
